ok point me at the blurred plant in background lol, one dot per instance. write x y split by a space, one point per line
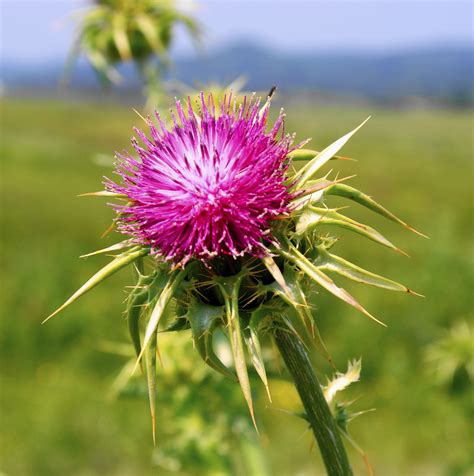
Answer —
451 358
118 31
207 428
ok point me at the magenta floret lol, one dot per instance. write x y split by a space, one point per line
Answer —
208 186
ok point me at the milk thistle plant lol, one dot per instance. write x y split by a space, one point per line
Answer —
113 32
226 235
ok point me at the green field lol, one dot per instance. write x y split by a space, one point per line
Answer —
56 418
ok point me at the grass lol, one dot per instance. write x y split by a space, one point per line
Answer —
55 418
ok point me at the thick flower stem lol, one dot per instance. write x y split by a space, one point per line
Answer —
317 410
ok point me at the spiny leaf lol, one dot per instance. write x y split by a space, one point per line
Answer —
118 263
204 319
314 192
164 298
103 193
316 188
253 345
308 154
115 220
274 270
330 262
314 216
303 312
340 381
179 324
133 319
150 363
137 299
139 267
236 344
324 281
288 299
346 191
115 247
303 309
308 171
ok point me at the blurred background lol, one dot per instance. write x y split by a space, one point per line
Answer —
71 74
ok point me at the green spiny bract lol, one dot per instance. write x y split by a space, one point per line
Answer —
247 297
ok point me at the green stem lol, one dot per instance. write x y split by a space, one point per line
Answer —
317 410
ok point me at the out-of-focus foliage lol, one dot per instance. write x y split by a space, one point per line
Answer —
55 417
218 91
452 357
450 362
122 30
116 31
210 431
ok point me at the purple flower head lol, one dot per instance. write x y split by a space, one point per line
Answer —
210 185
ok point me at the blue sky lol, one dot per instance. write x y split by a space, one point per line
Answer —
39 30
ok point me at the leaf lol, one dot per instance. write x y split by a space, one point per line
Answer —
274 270
330 262
103 193
346 191
114 247
119 29
150 364
308 171
133 319
147 27
136 301
304 310
315 191
204 319
315 216
341 381
324 281
308 154
179 324
236 344
254 348
106 72
164 298
108 270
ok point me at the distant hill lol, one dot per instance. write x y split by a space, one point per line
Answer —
441 73
430 72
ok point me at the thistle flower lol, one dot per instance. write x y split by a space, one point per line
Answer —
236 242
208 187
